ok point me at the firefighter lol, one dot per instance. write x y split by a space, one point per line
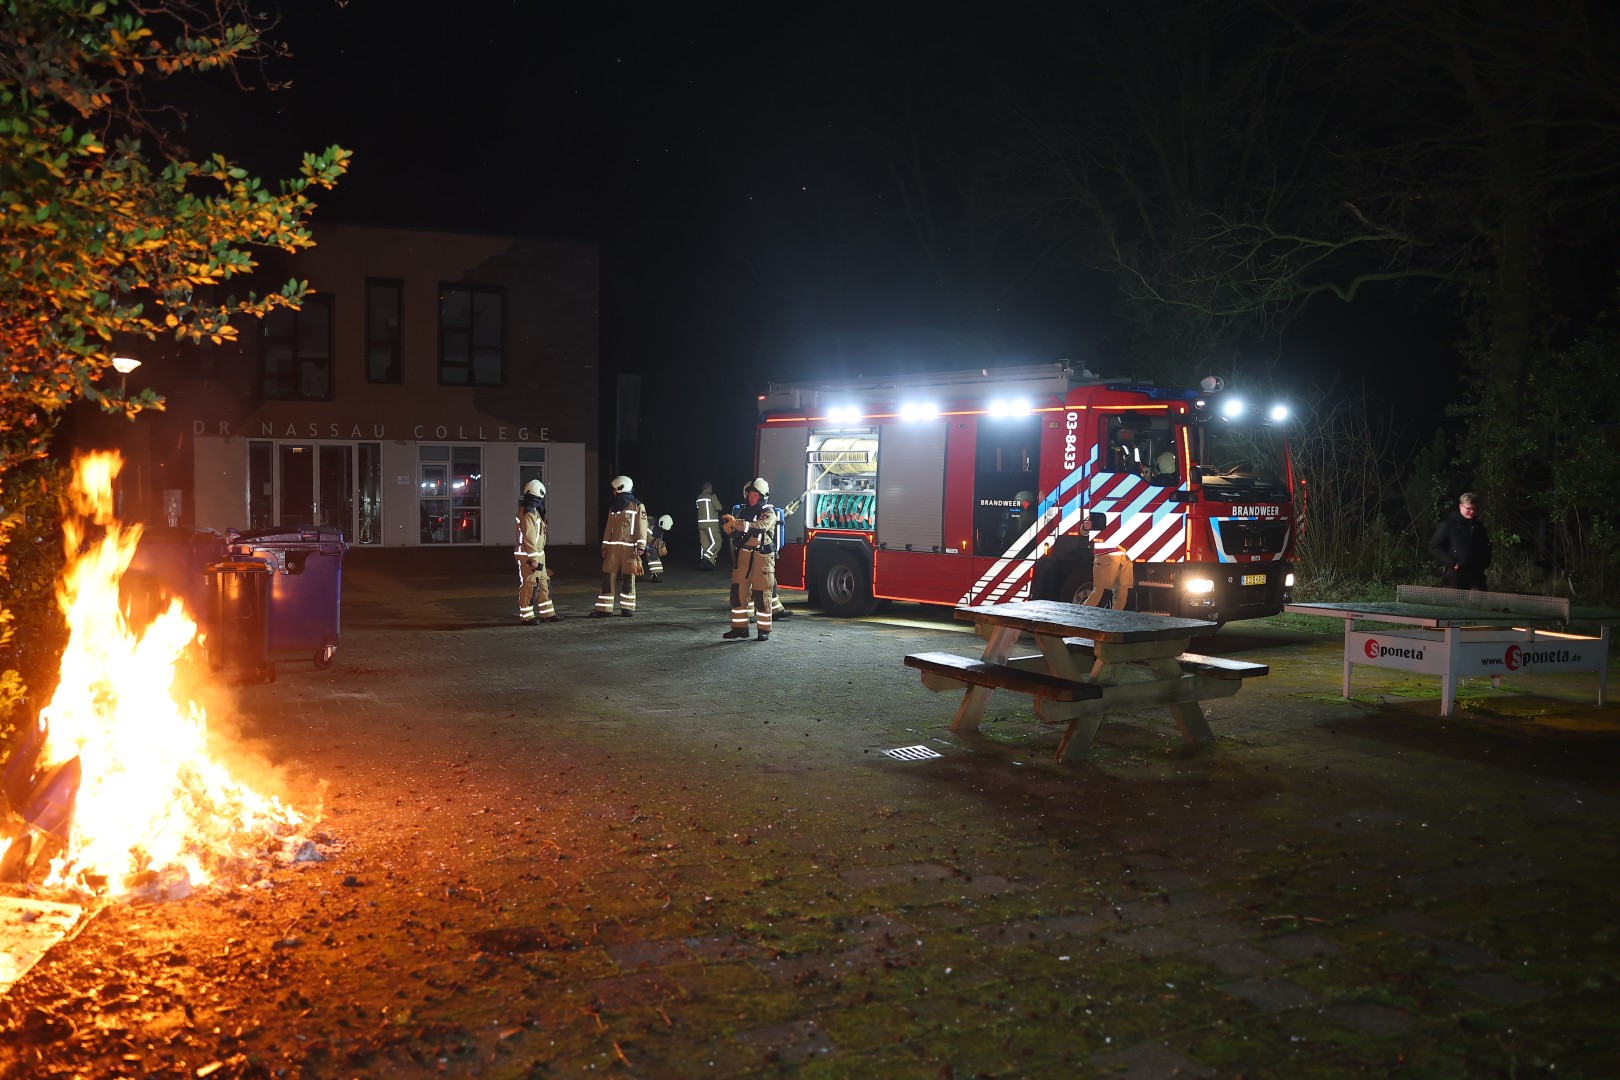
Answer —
1124 454
1112 572
657 548
778 609
753 540
624 538
1164 470
534 592
708 522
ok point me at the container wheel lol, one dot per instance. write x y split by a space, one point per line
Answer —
845 590
323 656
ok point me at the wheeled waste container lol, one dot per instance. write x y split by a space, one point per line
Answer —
238 637
306 586
171 562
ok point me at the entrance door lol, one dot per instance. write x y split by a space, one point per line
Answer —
315 486
295 489
334 488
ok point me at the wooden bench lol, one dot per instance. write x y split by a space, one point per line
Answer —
1221 667
1092 661
967 671
1216 667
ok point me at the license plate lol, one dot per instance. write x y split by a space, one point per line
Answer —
1254 579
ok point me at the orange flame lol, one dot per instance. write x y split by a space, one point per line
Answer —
150 798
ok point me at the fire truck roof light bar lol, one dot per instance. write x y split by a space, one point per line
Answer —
854 416
1033 379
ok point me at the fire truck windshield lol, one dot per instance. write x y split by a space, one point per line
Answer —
1241 462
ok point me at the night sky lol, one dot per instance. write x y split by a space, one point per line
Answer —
722 157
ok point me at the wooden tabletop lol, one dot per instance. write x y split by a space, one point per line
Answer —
1096 623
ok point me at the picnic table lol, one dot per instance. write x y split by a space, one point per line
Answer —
1458 634
1092 661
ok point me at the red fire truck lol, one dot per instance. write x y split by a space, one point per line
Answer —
998 485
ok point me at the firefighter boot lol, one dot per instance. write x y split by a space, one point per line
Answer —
736 633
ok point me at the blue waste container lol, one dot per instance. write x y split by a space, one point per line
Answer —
238 638
306 587
171 562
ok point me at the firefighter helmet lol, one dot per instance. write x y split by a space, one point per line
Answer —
758 484
535 488
666 522
622 484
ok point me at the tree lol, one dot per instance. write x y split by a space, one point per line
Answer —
1224 163
100 246
1176 148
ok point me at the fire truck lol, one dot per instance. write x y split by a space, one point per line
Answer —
1002 484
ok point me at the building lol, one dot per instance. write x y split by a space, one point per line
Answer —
427 377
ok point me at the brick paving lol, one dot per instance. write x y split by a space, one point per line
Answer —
1333 888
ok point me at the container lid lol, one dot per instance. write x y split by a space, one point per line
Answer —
327 540
237 565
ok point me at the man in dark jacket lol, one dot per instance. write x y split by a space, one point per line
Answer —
1462 547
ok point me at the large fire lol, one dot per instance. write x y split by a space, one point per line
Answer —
149 798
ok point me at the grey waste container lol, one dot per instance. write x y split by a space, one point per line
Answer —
238 638
171 562
306 590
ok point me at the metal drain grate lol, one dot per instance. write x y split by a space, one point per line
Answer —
911 753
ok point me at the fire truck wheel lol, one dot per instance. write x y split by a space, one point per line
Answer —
1077 588
845 591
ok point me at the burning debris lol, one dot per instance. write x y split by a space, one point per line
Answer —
111 789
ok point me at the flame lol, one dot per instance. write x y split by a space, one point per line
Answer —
150 798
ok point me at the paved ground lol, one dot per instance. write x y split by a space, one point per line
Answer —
628 845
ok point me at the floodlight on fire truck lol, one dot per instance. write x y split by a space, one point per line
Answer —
1015 407
1278 413
913 410
1232 408
844 414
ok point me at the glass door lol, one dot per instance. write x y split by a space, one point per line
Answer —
295 494
314 486
334 504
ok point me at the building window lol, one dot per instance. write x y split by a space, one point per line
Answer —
472 335
531 465
298 351
450 494
383 347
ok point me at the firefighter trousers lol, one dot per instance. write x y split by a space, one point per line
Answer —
534 590
622 586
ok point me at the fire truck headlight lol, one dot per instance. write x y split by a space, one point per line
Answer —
1279 412
1232 407
1288 581
1198 586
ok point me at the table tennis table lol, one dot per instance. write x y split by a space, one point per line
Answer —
1457 634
